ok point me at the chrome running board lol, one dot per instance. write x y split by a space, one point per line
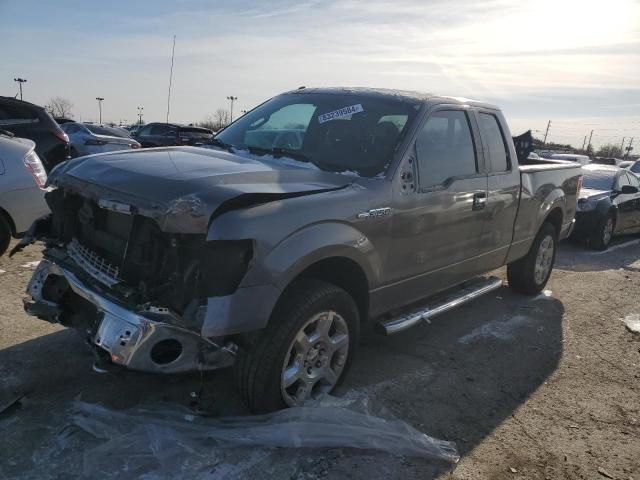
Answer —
466 293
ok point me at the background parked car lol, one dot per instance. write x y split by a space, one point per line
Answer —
609 204
581 159
608 161
167 134
22 178
27 120
89 139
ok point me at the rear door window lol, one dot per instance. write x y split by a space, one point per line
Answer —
444 148
495 147
16 115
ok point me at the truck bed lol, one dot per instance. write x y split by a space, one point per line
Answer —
545 164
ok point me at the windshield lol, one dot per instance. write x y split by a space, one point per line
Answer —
335 132
599 180
100 130
635 168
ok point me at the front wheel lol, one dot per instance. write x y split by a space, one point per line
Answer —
305 350
5 235
602 235
530 274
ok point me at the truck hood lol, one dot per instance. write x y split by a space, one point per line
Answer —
183 187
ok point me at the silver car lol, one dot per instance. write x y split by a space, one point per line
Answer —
87 139
22 180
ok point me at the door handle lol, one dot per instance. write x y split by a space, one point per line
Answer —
479 201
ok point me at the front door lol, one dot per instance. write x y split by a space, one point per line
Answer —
628 204
436 227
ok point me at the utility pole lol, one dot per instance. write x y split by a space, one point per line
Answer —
622 145
628 150
589 145
584 142
20 82
544 142
100 99
232 99
173 51
140 109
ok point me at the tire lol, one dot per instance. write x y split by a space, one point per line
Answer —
5 235
309 304
603 233
530 274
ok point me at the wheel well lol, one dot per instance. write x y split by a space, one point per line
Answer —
344 273
555 219
7 217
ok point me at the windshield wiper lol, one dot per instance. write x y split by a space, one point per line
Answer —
280 152
219 143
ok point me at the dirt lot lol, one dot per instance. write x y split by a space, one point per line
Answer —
542 388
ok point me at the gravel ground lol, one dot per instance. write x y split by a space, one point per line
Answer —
542 388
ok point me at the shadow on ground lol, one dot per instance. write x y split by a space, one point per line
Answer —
456 379
579 257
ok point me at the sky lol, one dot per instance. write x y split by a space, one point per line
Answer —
574 62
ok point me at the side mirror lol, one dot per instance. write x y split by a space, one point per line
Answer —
628 190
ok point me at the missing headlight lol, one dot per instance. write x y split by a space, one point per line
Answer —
223 265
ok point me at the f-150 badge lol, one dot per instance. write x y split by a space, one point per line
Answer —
376 212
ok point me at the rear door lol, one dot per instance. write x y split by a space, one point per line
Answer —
503 177
435 229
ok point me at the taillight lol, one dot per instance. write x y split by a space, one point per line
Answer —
135 145
579 185
34 165
92 141
61 135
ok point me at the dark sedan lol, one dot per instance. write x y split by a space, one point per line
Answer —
168 134
27 120
609 204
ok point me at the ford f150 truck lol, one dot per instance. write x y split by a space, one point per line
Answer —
316 213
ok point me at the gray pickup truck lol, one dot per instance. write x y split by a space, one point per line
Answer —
316 213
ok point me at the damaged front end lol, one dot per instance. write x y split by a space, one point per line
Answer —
136 293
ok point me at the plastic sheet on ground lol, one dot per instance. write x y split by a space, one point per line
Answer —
169 441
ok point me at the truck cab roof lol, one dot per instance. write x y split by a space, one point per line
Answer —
402 95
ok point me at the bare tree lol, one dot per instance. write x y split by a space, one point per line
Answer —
609 150
59 107
217 121
221 117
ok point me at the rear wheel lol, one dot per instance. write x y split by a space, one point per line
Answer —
530 274
5 235
603 234
305 350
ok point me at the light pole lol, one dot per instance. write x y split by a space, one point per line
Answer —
140 109
20 82
100 99
232 99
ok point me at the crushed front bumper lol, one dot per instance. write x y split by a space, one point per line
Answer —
130 338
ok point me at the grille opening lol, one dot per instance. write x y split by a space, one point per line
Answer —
166 351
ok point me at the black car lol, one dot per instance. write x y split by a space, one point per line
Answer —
27 120
168 134
609 204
